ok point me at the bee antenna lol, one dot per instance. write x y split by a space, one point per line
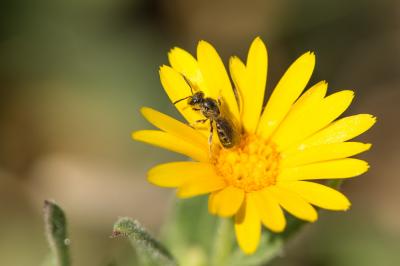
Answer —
177 101
189 83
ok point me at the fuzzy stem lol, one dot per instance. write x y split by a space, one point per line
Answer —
222 242
149 250
56 231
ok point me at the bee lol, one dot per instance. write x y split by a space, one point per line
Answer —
213 111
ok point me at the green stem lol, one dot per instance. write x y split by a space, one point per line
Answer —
222 242
149 250
56 231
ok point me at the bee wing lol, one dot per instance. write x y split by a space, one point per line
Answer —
227 114
238 95
238 72
239 98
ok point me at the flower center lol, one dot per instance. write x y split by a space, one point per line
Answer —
251 165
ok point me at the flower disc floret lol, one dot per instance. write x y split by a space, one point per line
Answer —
251 165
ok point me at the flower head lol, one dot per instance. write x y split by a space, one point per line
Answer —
280 151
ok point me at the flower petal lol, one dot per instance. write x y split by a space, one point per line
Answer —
177 88
318 195
270 212
311 97
340 131
303 109
323 153
305 105
172 143
253 91
343 168
294 204
285 93
215 76
248 226
315 119
186 64
225 202
198 186
238 74
176 174
175 127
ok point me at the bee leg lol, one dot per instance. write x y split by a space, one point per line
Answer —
211 135
202 121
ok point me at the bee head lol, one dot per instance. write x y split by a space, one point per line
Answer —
196 98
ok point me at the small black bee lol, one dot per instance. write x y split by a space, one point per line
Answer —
210 108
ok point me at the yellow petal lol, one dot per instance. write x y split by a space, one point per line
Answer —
339 131
318 195
270 212
238 74
285 93
342 168
313 95
215 76
198 186
314 119
186 64
172 143
253 91
294 204
177 88
226 202
174 127
178 173
300 116
323 153
248 226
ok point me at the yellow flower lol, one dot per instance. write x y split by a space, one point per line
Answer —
282 148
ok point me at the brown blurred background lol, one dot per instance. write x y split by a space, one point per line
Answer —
73 74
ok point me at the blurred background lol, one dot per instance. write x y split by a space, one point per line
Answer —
74 73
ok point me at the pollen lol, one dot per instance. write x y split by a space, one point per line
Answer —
251 165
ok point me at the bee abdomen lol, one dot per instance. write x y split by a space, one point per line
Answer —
225 132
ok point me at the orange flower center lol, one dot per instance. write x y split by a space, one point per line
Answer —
251 165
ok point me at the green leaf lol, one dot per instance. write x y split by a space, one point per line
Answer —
189 231
335 183
56 232
269 249
149 250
